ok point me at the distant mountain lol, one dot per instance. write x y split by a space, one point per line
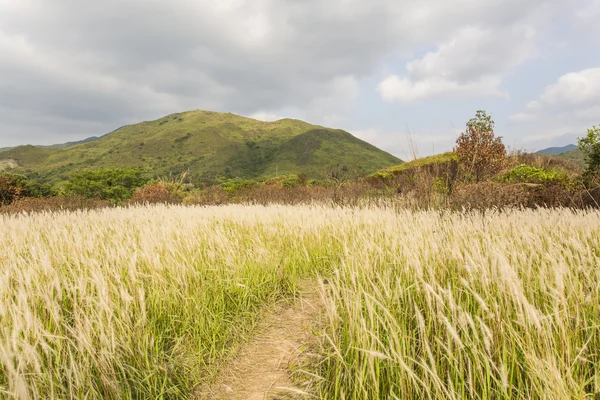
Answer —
206 144
575 156
557 150
57 146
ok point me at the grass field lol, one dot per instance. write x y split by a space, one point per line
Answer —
149 302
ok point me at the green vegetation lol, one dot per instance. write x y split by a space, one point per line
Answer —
14 186
113 184
479 174
209 145
418 163
590 147
524 173
574 156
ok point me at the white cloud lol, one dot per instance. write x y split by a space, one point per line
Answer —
266 116
407 145
339 95
471 64
564 110
406 90
92 64
575 92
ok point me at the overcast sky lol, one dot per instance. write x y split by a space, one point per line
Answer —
70 69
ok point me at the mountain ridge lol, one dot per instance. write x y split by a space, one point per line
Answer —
55 146
557 150
207 143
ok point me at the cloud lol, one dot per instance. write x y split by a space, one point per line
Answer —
565 109
405 145
97 64
573 93
266 116
471 64
587 17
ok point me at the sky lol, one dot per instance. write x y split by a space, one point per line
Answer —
404 75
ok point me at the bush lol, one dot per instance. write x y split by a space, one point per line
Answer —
529 174
11 188
590 146
212 195
478 149
113 184
155 193
235 185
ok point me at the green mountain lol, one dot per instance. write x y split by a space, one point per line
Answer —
570 153
208 144
557 150
57 146
69 144
575 156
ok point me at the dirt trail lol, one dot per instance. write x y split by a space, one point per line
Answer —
261 370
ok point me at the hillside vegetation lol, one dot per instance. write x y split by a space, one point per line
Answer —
575 156
208 144
149 302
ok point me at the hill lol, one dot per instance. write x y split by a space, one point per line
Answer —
57 146
208 144
570 153
557 150
575 156
69 144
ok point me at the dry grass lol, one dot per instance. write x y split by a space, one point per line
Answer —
147 302
478 306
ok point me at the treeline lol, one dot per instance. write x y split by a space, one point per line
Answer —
478 173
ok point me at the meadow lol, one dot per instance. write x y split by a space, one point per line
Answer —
149 302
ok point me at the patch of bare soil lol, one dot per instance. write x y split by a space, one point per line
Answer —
262 369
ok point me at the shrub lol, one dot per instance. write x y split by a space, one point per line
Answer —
529 174
478 149
590 146
113 184
234 185
155 193
212 195
11 188
178 185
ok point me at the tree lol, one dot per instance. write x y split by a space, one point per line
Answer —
337 176
113 184
590 146
11 188
478 149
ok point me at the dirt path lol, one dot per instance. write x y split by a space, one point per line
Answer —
261 371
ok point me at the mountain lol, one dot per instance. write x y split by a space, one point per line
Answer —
57 146
570 153
69 144
557 150
575 156
208 144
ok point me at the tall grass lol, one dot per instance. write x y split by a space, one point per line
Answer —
478 306
135 303
147 302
